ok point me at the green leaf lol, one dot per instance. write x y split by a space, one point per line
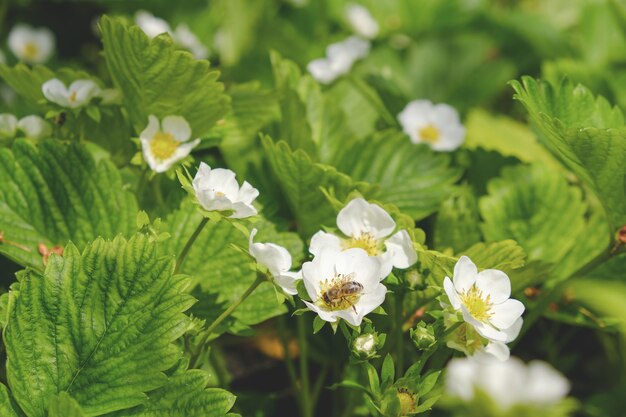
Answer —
301 180
8 408
64 405
222 271
604 297
99 326
506 255
586 133
387 373
185 394
457 224
537 208
412 177
158 79
56 192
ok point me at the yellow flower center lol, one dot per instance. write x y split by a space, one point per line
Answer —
477 304
72 97
365 241
163 146
31 51
339 293
429 133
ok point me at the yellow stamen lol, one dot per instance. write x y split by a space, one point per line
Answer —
72 97
429 133
365 241
31 51
477 304
163 146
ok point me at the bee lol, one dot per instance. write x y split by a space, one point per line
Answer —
60 119
343 293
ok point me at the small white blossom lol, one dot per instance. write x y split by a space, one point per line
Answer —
369 227
78 94
437 125
34 46
507 383
365 344
339 59
185 38
277 260
343 285
167 142
34 127
483 300
151 25
361 21
218 190
8 126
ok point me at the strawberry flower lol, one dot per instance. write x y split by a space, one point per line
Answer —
277 260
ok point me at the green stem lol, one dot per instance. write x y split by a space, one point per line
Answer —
399 299
304 369
291 370
207 333
426 355
189 244
156 188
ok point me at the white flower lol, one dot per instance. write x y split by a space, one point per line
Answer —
339 59
369 227
343 285
78 94
507 383
166 143
151 25
218 190
35 127
437 125
31 45
277 260
361 21
185 38
8 126
483 299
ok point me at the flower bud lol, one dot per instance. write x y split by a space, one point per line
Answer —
364 346
423 336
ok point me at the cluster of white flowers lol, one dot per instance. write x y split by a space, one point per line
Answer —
507 384
31 45
182 35
483 300
437 125
33 126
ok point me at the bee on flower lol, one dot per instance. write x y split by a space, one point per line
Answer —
31 45
165 142
437 125
369 227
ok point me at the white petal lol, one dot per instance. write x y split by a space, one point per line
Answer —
494 283
35 127
330 316
287 281
545 385
176 126
322 240
460 376
243 210
414 115
498 350
451 293
513 331
359 216
223 180
151 129
322 70
54 90
401 248
465 273
311 275
506 314
247 193
276 258
83 91
361 20
366 269
151 25
484 329
8 125
44 38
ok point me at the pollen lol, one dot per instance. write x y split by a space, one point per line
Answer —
72 97
365 241
163 146
31 51
477 304
429 133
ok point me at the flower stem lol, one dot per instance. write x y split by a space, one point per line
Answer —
304 369
291 370
207 333
399 316
189 244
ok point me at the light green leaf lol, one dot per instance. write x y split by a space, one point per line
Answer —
55 192
586 133
222 272
8 408
301 180
505 136
457 224
99 326
604 297
158 79
506 255
537 208
412 177
64 405
185 394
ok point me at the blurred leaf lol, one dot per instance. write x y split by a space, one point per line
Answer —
586 133
457 224
53 193
412 177
158 79
8 408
